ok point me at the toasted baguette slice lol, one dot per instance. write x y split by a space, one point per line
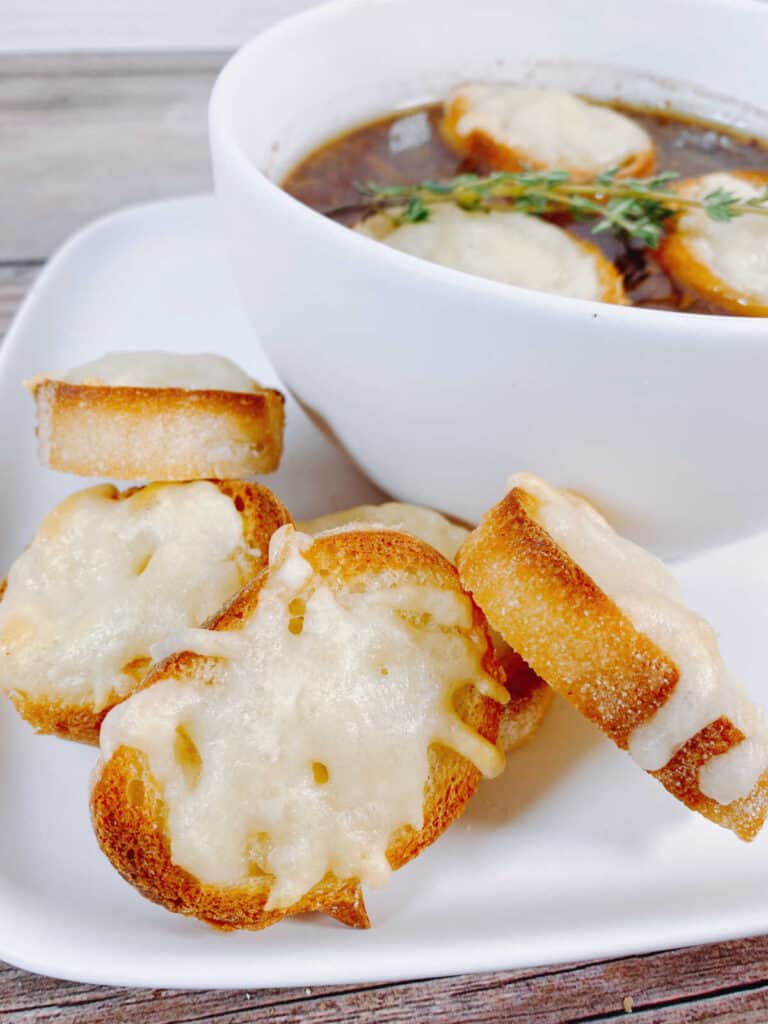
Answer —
602 621
157 416
505 127
724 263
321 731
511 248
110 574
530 697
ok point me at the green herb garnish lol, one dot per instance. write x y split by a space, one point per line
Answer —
636 208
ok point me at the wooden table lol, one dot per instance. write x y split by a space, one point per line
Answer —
80 136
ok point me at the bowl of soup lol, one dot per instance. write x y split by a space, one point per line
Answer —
440 381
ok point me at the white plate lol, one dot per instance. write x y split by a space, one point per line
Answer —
573 853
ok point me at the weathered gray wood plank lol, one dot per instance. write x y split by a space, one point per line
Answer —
15 281
726 982
80 136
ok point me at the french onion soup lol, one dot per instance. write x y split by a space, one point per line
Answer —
420 147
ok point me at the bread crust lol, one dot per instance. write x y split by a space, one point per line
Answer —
577 639
487 153
134 433
689 273
127 808
261 514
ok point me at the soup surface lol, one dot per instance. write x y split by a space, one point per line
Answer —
406 147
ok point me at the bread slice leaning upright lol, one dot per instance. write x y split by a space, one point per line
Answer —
602 621
321 731
108 575
158 416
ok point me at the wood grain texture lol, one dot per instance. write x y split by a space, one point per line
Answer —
81 129
80 136
35 25
723 982
15 282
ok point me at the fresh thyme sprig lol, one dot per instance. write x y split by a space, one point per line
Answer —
631 207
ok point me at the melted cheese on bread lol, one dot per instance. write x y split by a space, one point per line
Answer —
735 252
530 696
647 593
200 372
305 748
512 248
104 579
543 128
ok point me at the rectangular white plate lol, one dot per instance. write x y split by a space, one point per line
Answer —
573 853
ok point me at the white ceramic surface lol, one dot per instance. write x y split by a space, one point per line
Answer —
659 417
573 853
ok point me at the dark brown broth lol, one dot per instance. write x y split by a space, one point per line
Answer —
325 180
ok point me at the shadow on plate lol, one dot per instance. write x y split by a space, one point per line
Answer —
539 766
569 780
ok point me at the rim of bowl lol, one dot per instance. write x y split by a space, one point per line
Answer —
220 125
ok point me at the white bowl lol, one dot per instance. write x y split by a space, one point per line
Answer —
441 384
